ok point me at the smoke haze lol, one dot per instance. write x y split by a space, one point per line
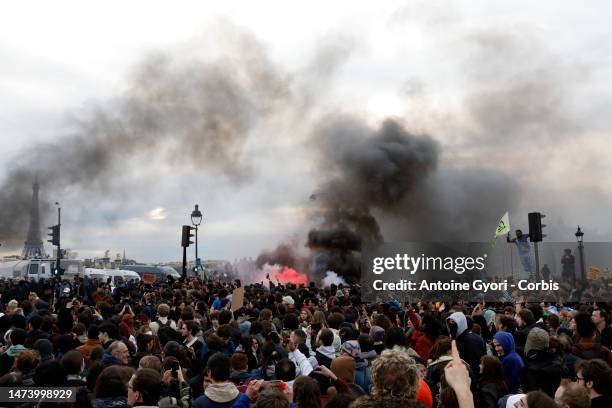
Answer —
476 118
189 112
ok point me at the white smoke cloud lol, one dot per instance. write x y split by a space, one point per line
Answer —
332 278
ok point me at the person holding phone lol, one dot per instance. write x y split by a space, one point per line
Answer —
178 390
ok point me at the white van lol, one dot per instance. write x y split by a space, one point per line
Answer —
96 275
152 273
121 276
131 276
26 269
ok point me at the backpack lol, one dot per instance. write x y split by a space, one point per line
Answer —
166 333
160 324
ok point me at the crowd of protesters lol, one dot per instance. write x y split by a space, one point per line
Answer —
183 344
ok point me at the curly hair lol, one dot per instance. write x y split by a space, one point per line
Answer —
27 360
394 374
368 401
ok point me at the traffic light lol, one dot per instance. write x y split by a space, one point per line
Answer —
186 236
55 235
536 226
57 271
195 269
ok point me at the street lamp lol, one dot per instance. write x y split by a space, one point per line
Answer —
579 237
59 226
196 220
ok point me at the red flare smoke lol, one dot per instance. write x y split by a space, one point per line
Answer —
289 275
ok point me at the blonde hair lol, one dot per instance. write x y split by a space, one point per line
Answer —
151 362
12 305
319 317
163 310
394 374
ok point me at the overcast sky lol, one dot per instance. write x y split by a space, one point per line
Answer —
516 88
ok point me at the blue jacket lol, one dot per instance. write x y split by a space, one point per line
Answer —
512 363
205 402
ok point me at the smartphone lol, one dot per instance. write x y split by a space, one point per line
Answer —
175 368
452 328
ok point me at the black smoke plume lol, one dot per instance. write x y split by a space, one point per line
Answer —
175 111
387 184
283 255
364 170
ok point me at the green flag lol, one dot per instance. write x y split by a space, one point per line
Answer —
502 228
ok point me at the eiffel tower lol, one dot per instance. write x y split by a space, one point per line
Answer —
33 247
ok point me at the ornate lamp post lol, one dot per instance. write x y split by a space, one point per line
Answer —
579 237
196 220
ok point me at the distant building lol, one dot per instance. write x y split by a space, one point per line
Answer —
33 246
66 254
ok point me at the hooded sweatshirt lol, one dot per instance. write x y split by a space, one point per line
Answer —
471 346
489 314
512 363
323 356
8 358
543 370
218 395
461 321
15 350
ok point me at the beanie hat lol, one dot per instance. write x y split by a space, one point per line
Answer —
377 333
344 368
537 339
45 349
352 348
